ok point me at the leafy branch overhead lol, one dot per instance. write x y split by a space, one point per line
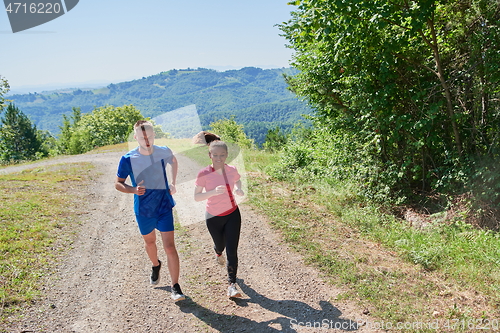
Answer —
413 82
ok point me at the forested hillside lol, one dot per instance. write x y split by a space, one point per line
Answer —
258 98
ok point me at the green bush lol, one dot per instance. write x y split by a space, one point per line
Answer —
333 157
105 125
275 139
232 132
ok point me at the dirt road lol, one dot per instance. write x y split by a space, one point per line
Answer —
102 285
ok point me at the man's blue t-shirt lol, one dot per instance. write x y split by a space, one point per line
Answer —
151 168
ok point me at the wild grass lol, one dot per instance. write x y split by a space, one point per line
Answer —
37 211
445 271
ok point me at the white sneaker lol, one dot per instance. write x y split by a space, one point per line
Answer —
232 291
220 259
177 294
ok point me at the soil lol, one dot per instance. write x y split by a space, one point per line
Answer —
102 283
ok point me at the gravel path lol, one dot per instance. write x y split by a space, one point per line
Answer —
102 285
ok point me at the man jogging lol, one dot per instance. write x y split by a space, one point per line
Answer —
153 202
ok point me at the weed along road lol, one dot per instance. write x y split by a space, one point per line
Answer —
101 283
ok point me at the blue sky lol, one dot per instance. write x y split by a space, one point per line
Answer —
103 41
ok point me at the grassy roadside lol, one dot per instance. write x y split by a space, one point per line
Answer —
446 274
38 209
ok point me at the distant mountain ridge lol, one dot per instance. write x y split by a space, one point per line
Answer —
258 98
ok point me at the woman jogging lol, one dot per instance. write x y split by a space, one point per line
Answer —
222 214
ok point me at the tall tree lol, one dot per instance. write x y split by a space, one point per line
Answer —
275 139
68 128
4 88
414 81
19 139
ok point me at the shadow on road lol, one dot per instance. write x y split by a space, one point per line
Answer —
292 315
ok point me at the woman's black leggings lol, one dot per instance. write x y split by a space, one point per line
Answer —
225 232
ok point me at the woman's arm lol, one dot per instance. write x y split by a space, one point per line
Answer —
199 195
237 186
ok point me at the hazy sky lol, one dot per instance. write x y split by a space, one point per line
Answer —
119 40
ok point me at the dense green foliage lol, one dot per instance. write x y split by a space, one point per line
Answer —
67 129
103 126
410 86
19 138
275 140
232 132
257 98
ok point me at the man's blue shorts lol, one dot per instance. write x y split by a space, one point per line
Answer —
163 223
